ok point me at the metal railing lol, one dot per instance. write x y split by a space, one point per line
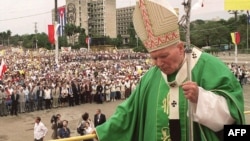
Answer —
92 136
77 138
247 112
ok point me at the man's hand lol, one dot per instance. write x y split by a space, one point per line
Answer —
191 91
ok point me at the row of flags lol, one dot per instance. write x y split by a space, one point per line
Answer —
61 18
52 34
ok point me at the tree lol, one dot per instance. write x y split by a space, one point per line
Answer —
3 37
82 38
71 31
8 34
16 40
132 34
28 41
42 40
63 41
209 33
118 41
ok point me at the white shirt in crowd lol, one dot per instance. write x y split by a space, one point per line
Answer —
40 130
47 93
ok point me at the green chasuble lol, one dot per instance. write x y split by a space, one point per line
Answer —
144 115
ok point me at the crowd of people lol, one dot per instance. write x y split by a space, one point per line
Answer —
78 78
241 72
33 81
86 126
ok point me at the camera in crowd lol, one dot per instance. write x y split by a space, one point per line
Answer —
55 118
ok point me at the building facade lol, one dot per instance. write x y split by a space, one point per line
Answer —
124 22
99 18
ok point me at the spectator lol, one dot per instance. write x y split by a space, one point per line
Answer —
40 130
40 97
14 99
99 118
88 130
64 132
3 109
55 121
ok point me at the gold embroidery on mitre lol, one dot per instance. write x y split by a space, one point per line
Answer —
161 30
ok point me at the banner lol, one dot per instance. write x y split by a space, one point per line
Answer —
51 34
236 4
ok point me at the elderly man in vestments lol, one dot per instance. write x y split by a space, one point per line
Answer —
158 109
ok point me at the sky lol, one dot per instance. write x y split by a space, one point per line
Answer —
20 16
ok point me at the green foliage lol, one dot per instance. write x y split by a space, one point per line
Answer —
118 41
63 42
82 39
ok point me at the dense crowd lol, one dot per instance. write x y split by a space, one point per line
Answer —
241 72
33 81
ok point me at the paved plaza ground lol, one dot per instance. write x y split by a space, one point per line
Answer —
20 128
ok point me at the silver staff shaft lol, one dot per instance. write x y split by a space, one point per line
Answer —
185 23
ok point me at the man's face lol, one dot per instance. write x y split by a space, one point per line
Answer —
169 59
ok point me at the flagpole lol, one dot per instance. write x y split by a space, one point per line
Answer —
248 20
88 44
56 35
236 54
185 22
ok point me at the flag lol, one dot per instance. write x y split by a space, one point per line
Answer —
51 34
3 69
88 40
235 37
61 19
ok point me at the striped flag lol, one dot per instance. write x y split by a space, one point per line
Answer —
235 37
61 19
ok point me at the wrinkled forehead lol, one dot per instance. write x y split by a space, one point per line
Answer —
165 50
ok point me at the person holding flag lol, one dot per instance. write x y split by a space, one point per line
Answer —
157 110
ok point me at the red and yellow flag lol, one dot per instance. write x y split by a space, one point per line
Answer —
235 37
